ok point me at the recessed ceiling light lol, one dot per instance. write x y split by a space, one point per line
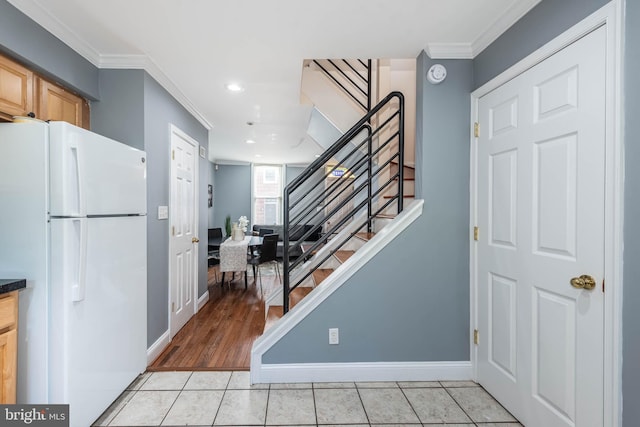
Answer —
258 155
234 87
317 155
250 141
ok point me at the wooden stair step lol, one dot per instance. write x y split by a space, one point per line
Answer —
298 295
365 235
342 256
274 313
405 195
320 274
409 170
386 216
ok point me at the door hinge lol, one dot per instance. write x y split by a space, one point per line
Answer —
173 230
476 233
173 307
476 129
173 154
603 285
476 337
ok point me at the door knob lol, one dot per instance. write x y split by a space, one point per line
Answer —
194 240
583 282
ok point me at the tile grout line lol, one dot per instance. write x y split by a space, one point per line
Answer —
457 403
410 404
362 403
176 399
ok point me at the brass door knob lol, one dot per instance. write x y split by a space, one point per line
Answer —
194 240
583 282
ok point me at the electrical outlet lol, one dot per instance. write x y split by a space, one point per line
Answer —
334 336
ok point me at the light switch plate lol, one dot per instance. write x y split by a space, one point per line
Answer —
163 212
203 152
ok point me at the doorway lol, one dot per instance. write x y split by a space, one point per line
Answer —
545 205
183 247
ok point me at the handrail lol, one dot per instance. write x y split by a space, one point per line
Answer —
369 162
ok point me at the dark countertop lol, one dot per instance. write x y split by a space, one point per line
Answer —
8 285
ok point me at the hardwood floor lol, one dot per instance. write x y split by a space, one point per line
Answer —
220 335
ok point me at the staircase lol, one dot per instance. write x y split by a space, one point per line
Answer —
364 188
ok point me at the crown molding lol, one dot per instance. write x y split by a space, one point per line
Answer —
34 10
449 51
502 24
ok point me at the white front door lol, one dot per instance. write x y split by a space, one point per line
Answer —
540 212
184 233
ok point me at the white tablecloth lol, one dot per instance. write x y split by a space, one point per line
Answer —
233 254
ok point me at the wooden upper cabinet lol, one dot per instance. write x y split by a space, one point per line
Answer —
55 103
16 89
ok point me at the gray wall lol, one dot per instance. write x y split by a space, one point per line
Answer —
161 110
543 23
411 303
119 114
631 292
25 40
129 106
232 194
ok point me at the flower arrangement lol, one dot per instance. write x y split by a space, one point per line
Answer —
243 222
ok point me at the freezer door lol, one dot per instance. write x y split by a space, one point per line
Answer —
98 306
94 175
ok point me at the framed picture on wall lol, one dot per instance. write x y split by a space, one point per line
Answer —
210 190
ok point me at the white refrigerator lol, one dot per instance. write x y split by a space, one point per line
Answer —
73 223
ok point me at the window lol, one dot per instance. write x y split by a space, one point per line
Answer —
267 194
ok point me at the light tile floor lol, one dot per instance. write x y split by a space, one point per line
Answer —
227 399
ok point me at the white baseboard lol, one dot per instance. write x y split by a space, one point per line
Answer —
157 347
362 371
203 299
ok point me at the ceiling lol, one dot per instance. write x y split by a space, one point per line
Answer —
195 47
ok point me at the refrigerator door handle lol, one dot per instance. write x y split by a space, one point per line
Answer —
78 288
75 151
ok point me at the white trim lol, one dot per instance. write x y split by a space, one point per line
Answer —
364 371
176 131
34 10
158 347
204 298
330 285
502 24
611 16
449 51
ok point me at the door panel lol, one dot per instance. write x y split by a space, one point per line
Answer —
541 198
183 229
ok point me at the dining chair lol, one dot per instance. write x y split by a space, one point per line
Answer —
264 231
267 255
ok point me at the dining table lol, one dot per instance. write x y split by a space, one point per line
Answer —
233 255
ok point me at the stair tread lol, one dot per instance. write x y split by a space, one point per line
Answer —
298 295
386 216
274 313
365 235
342 256
320 274
406 195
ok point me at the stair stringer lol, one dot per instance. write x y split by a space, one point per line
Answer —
259 372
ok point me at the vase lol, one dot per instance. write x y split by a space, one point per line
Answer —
237 234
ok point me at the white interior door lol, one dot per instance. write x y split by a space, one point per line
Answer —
184 233
540 209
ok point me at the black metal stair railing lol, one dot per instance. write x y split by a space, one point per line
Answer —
364 158
352 76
